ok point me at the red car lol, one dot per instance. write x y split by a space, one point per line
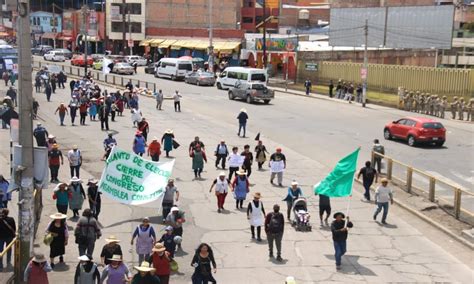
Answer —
416 130
78 60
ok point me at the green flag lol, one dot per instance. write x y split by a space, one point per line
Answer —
339 182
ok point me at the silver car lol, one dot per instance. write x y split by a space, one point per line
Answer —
123 68
251 92
200 78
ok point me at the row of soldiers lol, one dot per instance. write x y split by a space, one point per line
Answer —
427 103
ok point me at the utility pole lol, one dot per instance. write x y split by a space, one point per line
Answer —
129 32
124 31
210 60
264 46
54 30
25 95
365 72
85 13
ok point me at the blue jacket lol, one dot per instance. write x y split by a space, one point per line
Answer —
293 195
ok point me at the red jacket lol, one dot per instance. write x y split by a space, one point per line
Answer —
161 263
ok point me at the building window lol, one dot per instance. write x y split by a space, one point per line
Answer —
248 3
135 27
247 20
132 8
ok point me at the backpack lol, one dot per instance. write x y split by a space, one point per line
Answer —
274 226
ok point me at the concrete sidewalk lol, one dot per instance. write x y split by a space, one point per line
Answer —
399 252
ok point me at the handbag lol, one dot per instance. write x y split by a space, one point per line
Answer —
174 265
175 144
48 239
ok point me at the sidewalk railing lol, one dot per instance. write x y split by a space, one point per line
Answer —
446 194
14 247
116 80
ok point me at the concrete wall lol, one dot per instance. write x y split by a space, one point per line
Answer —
379 3
192 14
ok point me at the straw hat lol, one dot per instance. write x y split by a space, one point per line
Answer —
241 173
92 181
55 146
222 174
294 182
74 147
116 257
384 180
174 209
169 131
51 136
257 195
243 110
57 216
145 267
159 247
112 239
155 139
39 258
75 179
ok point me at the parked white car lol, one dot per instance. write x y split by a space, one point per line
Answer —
232 75
54 55
138 59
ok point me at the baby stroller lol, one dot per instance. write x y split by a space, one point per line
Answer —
301 215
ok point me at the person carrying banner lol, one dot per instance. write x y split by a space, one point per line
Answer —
340 230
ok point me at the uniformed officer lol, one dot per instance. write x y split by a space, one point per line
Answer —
416 100
470 110
461 107
422 102
436 105
401 94
427 103
454 106
443 106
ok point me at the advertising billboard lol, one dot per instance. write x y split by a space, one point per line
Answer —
393 27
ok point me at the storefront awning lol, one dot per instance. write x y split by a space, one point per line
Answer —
226 46
156 41
167 43
145 42
201 44
180 43
49 35
65 38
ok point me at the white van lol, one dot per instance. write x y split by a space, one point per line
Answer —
173 68
231 75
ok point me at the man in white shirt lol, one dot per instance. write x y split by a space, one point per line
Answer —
383 195
159 99
177 101
75 160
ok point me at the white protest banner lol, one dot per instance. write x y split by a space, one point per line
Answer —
130 179
277 166
236 160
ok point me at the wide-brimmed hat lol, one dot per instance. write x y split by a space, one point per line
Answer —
112 239
174 209
294 182
85 258
55 145
74 147
159 247
241 173
257 195
243 110
92 181
144 267
116 257
168 228
383 180
155 139
39 258
51 136
58 216
169 131
75 179
222 174
339 214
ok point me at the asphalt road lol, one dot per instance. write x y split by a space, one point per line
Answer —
327 130
407 250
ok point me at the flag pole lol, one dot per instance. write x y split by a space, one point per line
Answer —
349 201
347 211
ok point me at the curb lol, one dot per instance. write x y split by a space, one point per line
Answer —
429 221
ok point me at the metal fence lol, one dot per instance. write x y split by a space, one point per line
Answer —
383 77
447 195
112 79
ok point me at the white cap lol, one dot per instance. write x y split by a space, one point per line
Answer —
84 258
174 208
